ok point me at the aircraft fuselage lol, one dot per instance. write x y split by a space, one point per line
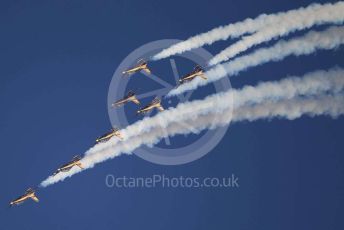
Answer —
136 69
21 199
147 108
121 102
70 165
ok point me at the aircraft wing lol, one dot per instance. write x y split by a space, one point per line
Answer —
203 76
156 100
35 198
160 108
147 70
120 136
130 93
198 68
29 190
136 101
140 61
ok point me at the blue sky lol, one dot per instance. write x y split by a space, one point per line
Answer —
57 60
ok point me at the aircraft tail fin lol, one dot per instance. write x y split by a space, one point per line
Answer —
120 136
156 100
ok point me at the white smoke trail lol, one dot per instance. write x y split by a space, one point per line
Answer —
291 109
285 98
304 45
313 83
329 13
327 105
238 29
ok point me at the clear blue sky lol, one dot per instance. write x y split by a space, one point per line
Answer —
57 60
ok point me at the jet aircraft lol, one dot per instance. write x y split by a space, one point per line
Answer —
107 136
156 103
197 72
141 65
68 166
30 193
129 97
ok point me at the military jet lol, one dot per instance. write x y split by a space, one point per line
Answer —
66 167
156 103
107 136
130 97
30 193
141 65
197 72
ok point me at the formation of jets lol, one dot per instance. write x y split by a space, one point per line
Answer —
30 193
198 71
130 97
